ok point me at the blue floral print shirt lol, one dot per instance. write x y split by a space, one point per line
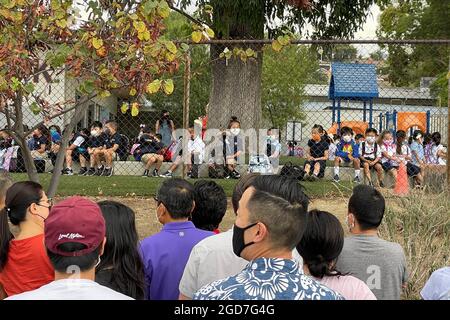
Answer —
267 279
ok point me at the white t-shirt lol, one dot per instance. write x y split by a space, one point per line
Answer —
439 160
198 146
71 289
349 287
79 141
369 151
213 259
391 150
332 151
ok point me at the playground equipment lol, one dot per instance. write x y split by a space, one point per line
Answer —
352 81
357 127
405 121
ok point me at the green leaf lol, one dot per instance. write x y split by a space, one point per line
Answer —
97 43
10 4
168 86
208 9
163 9
154 86
250 52
277 46
15 84
35 108
210 32
171 47
184 47
124 108
105 94
61 23
28 88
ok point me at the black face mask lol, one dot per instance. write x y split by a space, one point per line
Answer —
108 132
238 239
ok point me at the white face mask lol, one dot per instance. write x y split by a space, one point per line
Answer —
371 140
347 138
94 133
235 131
388 142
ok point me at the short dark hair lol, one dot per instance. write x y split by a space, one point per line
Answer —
416 133
427 138
321 243
147 129
112 124
368 205
158 136
371 130
210 205
177 195
97 124
63 263
285 187
240 187
359 136
85 131
346 130
279 216
318 127
436 137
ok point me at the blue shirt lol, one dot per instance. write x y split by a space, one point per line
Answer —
418 148
438 286
165 255
268 279
343 149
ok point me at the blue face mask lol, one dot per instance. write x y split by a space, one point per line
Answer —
53 131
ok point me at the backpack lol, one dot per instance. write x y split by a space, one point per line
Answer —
363 147
260 164
293 171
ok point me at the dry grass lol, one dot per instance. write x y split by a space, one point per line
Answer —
420 223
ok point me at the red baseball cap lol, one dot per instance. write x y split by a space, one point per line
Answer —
75 219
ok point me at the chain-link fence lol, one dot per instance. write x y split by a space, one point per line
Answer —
367 111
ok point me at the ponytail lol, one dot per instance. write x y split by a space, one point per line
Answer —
401 135
5 237
233 119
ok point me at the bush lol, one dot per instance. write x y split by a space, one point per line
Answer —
420 223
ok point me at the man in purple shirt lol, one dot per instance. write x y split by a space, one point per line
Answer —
166 253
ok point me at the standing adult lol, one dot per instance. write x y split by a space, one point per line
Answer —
379 263
165 254
24 264
165 127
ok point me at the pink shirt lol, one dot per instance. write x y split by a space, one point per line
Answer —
350 287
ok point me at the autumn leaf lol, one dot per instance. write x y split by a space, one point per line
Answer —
101 52
168 86
97 43
61 23
170 57
139 26
105 94
144 36
197 36
124 108
210 32
133 92
171 47
10 4
163 9
154 86
250 52
276 45
134 109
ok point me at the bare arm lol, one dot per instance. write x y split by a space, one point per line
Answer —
3 294
183 297
157 126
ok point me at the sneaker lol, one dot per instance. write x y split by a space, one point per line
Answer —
83 171
189 174
107 172
155 173
167 174
99 171
236 175
68 172
145 174
357 180
381 184
90 172
336 178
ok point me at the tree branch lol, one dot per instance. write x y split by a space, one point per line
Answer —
187 15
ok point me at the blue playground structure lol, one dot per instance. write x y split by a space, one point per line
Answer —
353 81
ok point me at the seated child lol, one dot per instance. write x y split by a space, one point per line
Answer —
417 150
149 152
95 142
316 154
332 138
108 153
430 158
347 152
404 154
439 151
389 160
77 150
359 138
370 156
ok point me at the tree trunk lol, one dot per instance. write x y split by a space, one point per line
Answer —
54 182
235 90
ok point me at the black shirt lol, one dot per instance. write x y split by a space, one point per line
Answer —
40 141
96 142
110 141
149 145
317 149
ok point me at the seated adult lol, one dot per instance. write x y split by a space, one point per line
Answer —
438 286
24 264
149 152
77 150
41 143
56 137
75 240
379 263
165 254
213 258
210 205
266 230
320 246
95 142
109 151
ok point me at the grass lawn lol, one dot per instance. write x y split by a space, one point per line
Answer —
129 186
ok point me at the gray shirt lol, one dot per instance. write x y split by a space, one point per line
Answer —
379 263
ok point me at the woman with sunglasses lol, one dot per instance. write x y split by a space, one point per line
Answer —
24 264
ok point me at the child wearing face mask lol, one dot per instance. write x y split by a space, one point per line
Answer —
417 149
95 142
404 154
370 156
347 151
234 148
389 160
316 154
